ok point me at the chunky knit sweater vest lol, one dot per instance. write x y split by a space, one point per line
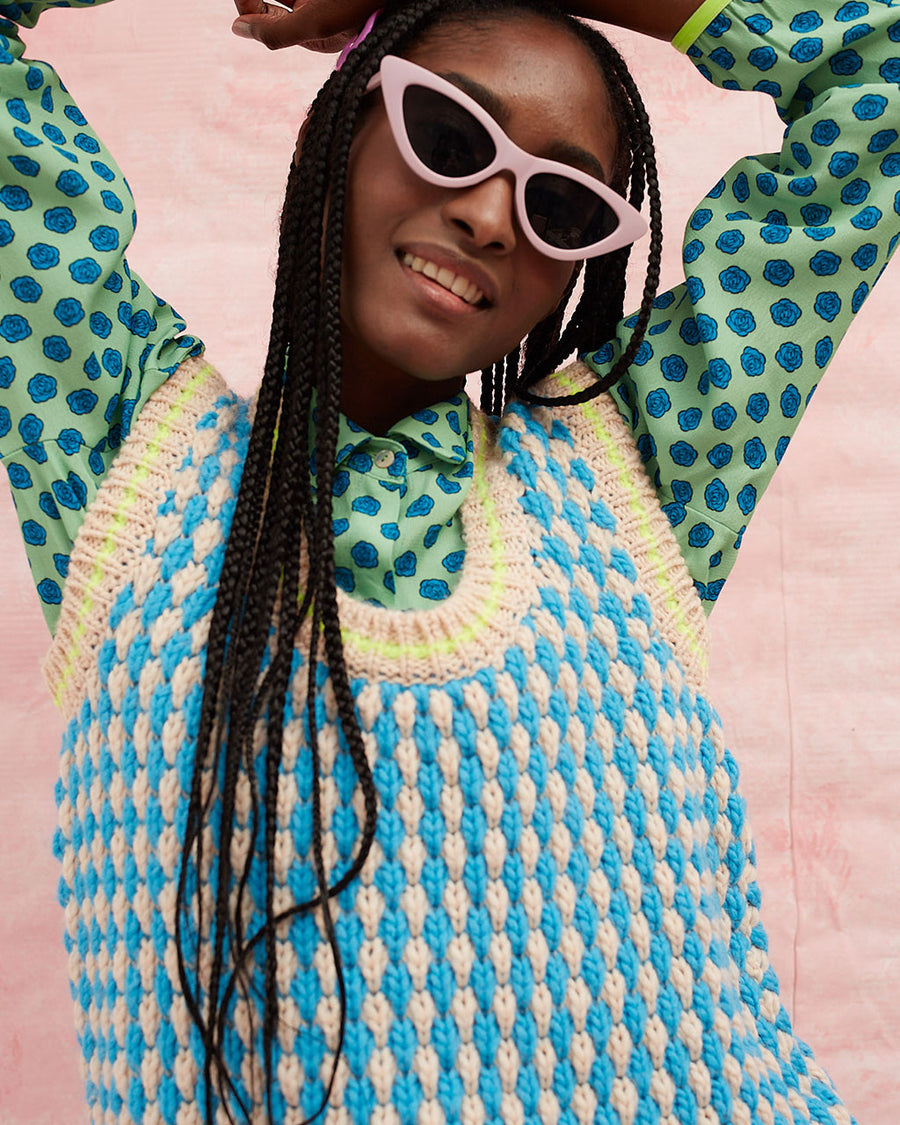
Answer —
559 920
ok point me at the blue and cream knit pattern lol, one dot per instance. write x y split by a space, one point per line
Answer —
559 920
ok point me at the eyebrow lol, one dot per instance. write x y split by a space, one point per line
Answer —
563 151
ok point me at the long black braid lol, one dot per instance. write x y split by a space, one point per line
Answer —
278 572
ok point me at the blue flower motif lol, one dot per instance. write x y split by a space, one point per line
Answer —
825 263
753 361
421 506
683 453
82 401
785 313
754 453
825 132
734 279
33 534
842 164
434 589
790 356
85 271
69 312
758 406
26 290
405 565
881 140
790 401
719 373
741 322
805 50
364 554
700 535
14 328
730 241
716 495
104 238
747 499
368 505
778 272
41 388
71 183
49 592
19 476
845 63
827 305
658 403
57 349
674 368
103 171
869 107
15 198
454 561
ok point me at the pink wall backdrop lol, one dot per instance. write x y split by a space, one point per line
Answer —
806 642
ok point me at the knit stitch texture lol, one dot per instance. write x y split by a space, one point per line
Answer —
559 920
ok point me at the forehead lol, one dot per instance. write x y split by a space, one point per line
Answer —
545 84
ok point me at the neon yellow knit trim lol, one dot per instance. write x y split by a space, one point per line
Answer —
697 23
119 520
672 601
392 650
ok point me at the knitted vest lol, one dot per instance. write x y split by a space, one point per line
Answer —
559 919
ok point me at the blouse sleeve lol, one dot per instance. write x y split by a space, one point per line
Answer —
779 257
83 341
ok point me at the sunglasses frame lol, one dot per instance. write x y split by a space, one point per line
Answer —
396 74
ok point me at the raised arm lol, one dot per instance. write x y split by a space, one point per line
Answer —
83 341
779 257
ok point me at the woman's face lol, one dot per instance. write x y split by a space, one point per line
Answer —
400 327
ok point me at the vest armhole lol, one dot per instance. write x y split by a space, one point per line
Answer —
605 443
121 519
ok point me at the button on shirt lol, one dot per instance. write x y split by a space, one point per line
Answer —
397 527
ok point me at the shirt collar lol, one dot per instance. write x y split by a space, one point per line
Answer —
437 435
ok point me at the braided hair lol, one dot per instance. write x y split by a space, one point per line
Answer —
278 572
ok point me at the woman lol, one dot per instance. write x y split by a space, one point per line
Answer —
619 1076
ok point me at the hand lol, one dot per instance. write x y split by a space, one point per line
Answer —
317 25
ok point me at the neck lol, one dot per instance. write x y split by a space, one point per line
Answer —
375 395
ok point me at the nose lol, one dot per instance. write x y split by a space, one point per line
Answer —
485 213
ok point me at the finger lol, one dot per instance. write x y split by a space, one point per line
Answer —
276 38
250 7
317 25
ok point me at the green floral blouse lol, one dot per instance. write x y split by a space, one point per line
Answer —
779 256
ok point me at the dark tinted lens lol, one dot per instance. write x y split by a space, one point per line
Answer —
444 135
566 214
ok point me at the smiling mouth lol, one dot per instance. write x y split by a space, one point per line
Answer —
454 283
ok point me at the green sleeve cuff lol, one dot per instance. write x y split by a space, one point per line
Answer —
698 22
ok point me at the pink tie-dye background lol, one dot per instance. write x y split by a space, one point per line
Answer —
806 642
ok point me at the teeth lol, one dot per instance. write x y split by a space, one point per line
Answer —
457 284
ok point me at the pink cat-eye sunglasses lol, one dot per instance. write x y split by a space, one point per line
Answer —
448 139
